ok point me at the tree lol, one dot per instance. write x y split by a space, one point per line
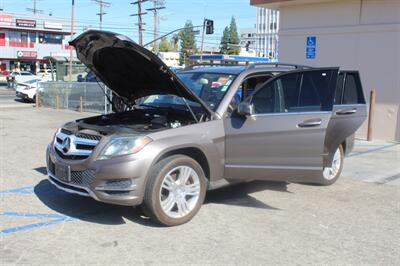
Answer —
174 42
187 42
234 38
225 41
164 45
230 39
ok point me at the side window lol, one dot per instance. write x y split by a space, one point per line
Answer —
291 89
316 93
339 88
297 92
269 99
352 90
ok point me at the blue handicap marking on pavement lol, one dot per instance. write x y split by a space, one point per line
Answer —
311 47
21 190
50 219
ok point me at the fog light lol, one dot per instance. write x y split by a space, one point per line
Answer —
117 185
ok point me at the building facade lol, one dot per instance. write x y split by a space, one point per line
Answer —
248 38
26 39
267 29
359 35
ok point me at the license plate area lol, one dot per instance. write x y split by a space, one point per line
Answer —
63 172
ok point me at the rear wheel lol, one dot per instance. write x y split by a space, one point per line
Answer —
175 190
331 173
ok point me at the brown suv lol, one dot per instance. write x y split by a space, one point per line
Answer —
203 128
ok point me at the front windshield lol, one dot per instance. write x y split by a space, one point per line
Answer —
210 87
31 81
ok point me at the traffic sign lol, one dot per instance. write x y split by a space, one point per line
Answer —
311 47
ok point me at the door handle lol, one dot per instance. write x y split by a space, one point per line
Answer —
310 123
346 111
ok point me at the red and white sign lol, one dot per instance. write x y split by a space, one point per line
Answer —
27 54
6 19
27 23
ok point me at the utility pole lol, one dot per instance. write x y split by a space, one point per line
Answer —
102 4
34 10
202 40
140 23
158 4
70 48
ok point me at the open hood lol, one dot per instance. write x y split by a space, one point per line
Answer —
128 69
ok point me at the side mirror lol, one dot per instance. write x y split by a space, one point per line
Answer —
245 109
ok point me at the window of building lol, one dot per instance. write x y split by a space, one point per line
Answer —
20 39
2 39
50 38
32 37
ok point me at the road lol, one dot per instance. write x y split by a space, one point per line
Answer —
355 221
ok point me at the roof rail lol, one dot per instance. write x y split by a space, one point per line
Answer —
248 64
224 63
277 64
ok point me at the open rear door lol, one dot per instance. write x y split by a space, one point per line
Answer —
284 138
349 111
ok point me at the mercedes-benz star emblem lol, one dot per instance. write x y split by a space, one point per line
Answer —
66 144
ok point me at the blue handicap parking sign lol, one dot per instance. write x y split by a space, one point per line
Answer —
311 47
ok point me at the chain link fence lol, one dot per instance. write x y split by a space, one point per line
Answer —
77 96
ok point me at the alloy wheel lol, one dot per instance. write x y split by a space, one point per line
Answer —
329 173
180 190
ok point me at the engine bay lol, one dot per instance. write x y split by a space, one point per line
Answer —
138 120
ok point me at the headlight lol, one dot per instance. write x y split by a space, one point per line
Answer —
122 146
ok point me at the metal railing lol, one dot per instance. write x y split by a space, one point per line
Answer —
77 96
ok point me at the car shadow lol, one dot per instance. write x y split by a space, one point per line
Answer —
90 210
22 101
239 194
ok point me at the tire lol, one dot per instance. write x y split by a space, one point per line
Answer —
175 190
118 105
332 173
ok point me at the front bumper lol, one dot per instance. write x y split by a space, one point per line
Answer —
21 95
120 181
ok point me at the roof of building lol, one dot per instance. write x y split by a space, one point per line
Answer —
37 23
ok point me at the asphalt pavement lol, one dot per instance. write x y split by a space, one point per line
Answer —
355 221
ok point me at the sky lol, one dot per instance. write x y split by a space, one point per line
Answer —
118 17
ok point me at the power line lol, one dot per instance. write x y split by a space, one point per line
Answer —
34 10
102 4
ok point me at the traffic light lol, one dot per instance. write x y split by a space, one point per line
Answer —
209 26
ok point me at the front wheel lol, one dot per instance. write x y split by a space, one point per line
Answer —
175 190
331 173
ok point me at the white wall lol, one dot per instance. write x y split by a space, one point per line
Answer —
353 34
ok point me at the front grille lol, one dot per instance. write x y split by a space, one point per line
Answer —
75 146
82 178
84 147
70 157
88 136
66 131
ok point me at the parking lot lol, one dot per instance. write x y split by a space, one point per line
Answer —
355 221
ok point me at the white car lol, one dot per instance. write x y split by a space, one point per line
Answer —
27 90
23 76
